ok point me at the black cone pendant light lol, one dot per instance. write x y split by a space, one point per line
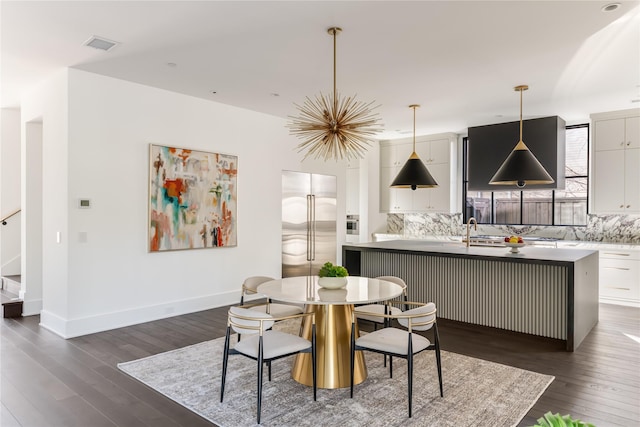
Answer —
414 173
521 167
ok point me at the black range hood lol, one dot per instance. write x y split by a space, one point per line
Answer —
489 145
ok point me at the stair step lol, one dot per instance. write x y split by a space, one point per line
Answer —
12 283
7 296
11 304
14 277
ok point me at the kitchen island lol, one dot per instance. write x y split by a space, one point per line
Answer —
547 292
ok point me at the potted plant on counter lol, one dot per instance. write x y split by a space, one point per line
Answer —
332 276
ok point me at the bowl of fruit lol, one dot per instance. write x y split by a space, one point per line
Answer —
514 242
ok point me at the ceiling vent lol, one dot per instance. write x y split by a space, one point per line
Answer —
100 43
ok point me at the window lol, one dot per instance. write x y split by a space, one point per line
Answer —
531 207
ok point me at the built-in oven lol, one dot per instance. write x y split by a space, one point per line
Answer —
353 224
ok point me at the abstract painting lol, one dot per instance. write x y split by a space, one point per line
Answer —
192 199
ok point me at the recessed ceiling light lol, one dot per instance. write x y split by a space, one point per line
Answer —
635 100
275 94
610 7
171 64
213 92
100 43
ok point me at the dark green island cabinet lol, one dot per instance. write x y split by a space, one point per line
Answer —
548 292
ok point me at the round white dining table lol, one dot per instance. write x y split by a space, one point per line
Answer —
333 310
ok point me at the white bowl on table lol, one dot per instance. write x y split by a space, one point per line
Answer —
332 282
514 246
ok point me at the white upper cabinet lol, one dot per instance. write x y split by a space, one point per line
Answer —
396 155
616 162
434 199
616 134
353 190
436 152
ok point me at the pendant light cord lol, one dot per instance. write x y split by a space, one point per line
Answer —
414 106
521 113
414 128
335 97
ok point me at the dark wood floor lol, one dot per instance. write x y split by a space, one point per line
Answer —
47 381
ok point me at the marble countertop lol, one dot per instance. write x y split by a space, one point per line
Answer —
458 248
564 244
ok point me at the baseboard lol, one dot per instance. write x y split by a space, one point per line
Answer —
88 325
628 303
53 323
31 308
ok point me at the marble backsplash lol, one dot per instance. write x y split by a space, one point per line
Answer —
599 228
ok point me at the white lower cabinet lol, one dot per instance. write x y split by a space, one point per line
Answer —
619 271
620 276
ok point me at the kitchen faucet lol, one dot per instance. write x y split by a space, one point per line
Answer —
475 225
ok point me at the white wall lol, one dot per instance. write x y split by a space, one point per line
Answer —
376 221
32 229
9 160
101 273
44 153
10 190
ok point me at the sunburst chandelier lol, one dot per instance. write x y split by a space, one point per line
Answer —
331 127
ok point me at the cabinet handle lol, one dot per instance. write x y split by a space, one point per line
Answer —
628 143
628 206
618 268
621 289
622 206
622 144
616 253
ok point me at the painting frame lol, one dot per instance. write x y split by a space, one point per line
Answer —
192 199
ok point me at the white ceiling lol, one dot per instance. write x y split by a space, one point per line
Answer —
459 59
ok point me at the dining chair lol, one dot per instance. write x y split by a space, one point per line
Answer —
403 343
373 312
264 345
250 286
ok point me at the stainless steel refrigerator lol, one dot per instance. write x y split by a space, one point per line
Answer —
308 222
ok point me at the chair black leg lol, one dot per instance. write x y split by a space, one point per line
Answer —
260 370
269 369
410 372
352 355
313 362
225 359
438 360
390 366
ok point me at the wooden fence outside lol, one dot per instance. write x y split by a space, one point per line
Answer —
571 211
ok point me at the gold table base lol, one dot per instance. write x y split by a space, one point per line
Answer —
333 337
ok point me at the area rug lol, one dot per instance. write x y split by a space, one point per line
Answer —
476 392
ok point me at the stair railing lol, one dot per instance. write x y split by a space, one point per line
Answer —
4 220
